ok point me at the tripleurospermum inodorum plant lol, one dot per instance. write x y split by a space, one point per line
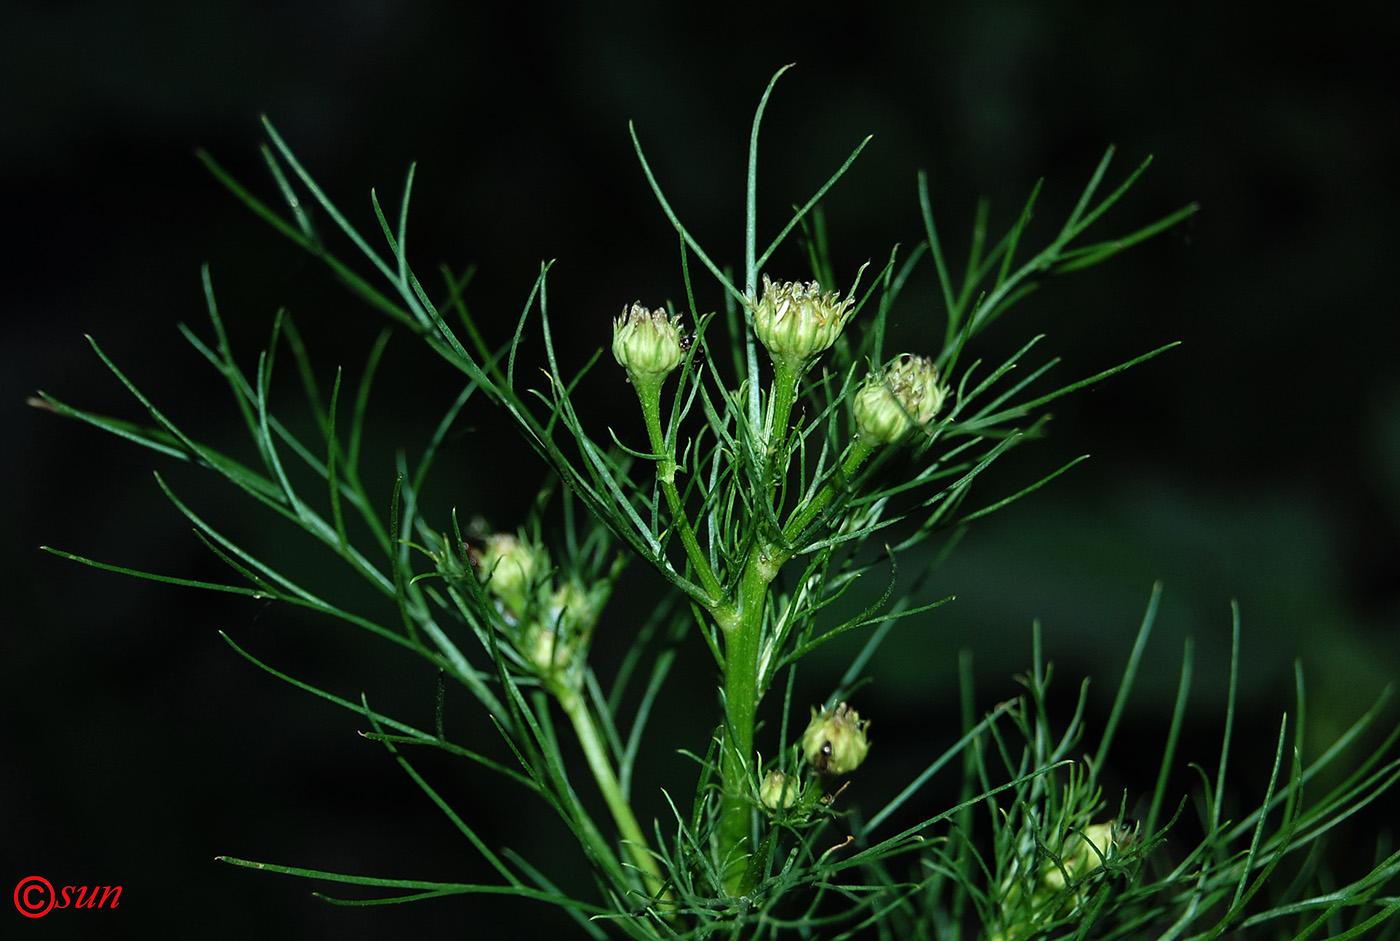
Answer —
779 451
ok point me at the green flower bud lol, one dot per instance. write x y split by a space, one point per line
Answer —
906 396
512 569
777 791
647 343
547 652
572 609
835 741
564 629
797 321
1083 852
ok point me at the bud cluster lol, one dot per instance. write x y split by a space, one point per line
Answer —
513 570
1027 906
551 624
1083 852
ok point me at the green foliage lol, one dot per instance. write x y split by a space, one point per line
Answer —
771 485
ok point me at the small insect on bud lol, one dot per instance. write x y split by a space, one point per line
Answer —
777 791
907 395
797 322
835 741
647 343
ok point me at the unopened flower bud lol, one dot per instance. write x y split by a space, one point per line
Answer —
777 791
835 741
571 609
1080 857
797 321
907 395
647 343
512 568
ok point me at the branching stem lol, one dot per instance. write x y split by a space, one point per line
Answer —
742 624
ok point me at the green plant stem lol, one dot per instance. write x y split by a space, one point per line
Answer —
786 376
742 624
743 636
595 752
649 394
861 449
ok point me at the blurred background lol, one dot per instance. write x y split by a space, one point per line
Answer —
1258 462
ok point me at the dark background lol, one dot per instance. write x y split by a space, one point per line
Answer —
1260 461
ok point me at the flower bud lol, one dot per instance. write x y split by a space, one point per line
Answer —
797 321
835 741
907 395
647 343
571 609
512 569
777 791
1079 857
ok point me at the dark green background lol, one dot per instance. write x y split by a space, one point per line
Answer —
1258 461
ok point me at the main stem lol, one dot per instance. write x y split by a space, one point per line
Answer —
743 640
742 624
740 616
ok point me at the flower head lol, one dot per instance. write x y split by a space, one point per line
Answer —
835 741
797 321
777 791
1083 852
647 343
905 396
512 568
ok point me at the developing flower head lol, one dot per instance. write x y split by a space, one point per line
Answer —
512 569
572 609
1083 852
647 343
797 321
560 631
835 741
777 791
905 396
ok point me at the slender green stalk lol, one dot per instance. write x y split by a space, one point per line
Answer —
859 452
743 628
649 393
596 753
743 641
783 396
